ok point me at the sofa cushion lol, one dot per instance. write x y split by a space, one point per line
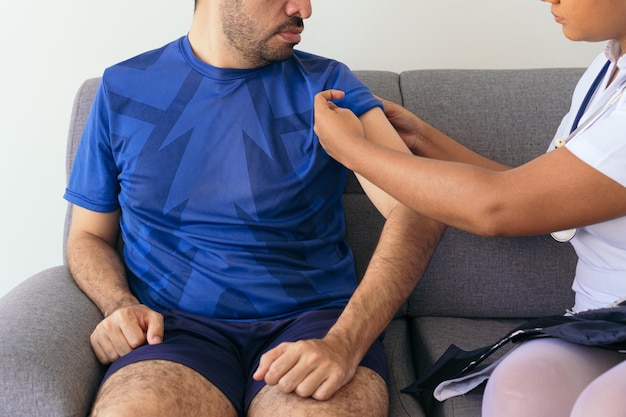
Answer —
431 336
401 370
473 276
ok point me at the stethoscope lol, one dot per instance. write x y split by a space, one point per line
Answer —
567 235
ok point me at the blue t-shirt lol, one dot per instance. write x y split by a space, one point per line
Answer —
230 207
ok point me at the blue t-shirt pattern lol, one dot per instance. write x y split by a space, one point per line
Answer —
229 206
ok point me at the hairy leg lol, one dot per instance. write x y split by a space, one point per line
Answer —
365 395
544 377
605 395
160 388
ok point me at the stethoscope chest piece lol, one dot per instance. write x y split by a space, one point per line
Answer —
563 235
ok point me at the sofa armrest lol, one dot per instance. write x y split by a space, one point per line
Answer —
47 365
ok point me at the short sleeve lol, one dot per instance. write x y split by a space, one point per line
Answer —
359 99
93 182
603 145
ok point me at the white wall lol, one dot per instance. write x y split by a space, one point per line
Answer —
50 47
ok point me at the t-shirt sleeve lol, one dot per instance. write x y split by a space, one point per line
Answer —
359 99
93 182
602 146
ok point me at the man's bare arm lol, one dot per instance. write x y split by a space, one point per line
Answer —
404 249
98 270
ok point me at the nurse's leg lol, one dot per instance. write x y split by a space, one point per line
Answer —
544 377
605 396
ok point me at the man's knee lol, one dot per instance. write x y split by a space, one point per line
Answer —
367 394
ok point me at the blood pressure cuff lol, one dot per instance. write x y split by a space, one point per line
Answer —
603 328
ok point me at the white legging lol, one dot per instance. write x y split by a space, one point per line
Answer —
553 378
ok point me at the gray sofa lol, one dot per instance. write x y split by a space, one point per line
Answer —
473 292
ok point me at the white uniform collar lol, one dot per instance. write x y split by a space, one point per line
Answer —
613 52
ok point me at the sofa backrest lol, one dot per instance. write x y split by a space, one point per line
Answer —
510 116
80 110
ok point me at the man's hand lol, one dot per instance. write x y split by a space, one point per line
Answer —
124 330
315 368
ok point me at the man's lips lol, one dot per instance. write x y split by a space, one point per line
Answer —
292 35
557 19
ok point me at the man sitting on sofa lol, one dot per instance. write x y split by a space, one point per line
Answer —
236 293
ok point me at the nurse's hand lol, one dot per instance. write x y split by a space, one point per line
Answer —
338 129
408 125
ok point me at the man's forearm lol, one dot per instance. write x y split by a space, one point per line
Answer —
406 245
98 271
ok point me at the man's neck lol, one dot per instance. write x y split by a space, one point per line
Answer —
209 44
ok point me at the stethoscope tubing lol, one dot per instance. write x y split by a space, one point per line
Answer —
608 105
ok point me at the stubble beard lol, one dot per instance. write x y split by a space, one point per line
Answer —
249 40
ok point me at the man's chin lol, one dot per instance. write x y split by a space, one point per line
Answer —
280 55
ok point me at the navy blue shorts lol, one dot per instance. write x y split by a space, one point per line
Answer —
228 353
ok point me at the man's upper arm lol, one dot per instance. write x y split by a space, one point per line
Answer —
378 129
102 225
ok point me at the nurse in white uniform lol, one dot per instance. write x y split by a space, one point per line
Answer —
577 190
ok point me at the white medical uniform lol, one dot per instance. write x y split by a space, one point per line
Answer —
601 248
